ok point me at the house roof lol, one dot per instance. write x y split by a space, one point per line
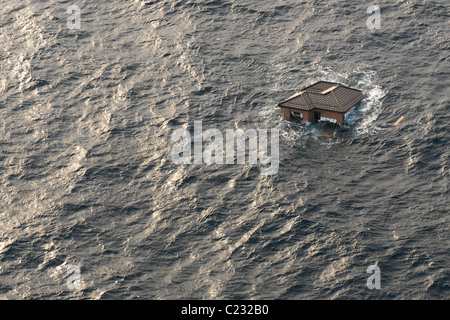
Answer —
326 96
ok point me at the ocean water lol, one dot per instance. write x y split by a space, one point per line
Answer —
87 179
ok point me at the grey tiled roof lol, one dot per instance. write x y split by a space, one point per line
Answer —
326 96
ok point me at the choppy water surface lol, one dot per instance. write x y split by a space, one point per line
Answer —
87 179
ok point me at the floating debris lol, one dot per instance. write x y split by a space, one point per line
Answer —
399 120
328 135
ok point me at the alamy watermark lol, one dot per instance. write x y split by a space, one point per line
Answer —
374 21
374 281
74 21
213 153
74 280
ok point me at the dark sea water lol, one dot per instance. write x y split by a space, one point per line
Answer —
87 179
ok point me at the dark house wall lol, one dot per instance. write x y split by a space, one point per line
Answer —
331 114
309 115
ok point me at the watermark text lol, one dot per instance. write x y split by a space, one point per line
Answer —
234 150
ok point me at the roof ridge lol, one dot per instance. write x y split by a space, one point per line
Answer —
306 102
340 107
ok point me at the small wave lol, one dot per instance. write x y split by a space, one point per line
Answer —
362 118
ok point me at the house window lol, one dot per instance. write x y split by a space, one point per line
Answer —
296 115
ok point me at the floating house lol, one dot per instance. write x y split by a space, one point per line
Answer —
322 101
